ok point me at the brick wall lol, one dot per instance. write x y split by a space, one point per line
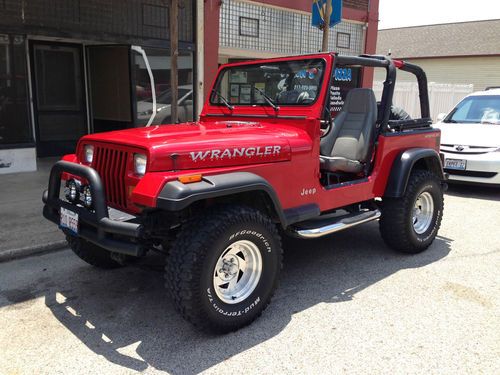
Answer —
356 4
111 20
305 5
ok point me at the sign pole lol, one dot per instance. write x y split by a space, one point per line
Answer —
174 53
326 25
324 45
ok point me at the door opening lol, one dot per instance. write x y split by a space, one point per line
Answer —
112 100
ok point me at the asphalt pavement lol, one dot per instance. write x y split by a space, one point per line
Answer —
346 304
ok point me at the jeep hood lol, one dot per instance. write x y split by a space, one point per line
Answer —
199 145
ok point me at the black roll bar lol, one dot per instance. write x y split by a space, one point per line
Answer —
381 61
377 61
422 87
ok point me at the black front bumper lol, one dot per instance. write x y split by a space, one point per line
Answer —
94 226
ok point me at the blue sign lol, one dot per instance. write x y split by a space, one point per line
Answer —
343 74
319 10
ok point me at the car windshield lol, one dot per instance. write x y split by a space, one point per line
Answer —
477 110
275 83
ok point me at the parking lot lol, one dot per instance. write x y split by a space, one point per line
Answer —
346 304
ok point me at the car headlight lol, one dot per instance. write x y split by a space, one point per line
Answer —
88 153
140 161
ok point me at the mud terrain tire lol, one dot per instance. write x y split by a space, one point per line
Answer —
410 223
92 254
236 244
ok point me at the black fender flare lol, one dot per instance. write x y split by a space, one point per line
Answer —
403 165
176 196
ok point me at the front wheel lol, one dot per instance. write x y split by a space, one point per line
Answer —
410 223
223 268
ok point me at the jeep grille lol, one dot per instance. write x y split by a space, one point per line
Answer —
111 164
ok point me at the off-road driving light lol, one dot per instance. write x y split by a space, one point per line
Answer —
72 191
140 161
87 197
88 152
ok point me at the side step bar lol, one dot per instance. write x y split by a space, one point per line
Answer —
308 230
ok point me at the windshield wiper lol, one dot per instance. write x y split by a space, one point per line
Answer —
224 100
271 102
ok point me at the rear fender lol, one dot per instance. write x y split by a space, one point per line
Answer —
405 162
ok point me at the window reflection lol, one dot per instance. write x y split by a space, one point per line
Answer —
159 61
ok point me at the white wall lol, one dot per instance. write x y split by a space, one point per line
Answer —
17 160
480 71
442 97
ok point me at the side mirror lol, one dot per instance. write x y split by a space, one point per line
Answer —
441 117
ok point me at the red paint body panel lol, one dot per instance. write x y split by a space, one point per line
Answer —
284 150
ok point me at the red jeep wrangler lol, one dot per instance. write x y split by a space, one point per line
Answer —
276 151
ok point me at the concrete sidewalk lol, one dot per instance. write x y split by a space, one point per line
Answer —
23 229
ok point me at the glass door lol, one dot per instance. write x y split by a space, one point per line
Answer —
60 110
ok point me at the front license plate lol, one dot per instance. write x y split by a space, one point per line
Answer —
69 220
458 164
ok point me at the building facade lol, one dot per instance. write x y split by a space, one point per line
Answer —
465 53
71 67
242 29
68 68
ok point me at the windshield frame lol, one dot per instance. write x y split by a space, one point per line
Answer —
212 98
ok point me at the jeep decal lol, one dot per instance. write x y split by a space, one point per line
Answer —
229 153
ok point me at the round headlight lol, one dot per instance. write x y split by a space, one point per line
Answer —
72 191
88 153
140 161
87 197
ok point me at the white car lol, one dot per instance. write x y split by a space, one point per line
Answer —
163 107
470 138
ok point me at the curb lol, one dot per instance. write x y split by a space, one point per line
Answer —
24 252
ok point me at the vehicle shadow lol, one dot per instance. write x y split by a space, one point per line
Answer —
126 316
491 193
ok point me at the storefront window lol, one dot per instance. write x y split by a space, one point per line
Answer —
14 116
159 62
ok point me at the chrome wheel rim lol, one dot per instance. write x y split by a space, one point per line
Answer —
423 211
237 272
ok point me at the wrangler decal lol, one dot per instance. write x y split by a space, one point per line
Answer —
229 153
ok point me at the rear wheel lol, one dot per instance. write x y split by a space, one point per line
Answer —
410 223
93 254
223 268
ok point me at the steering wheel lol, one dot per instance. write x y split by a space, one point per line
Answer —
326 125
303 97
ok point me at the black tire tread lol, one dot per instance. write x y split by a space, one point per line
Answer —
92 254
394 213
187 255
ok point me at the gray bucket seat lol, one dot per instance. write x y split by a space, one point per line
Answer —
348 145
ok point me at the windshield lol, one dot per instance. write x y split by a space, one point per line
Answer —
477 110
276 83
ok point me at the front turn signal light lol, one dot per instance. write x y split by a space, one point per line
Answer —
189 179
